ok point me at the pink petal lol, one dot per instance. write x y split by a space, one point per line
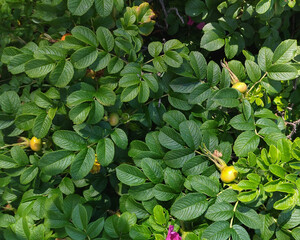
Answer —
172 235
200 25
190 22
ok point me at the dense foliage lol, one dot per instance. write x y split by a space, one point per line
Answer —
123 119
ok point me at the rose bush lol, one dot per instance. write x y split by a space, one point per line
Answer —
122 120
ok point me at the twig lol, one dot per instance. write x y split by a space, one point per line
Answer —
165 12
294 124
257 83
177 13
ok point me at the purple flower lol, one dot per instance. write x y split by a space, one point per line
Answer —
172 235
200 25
190 22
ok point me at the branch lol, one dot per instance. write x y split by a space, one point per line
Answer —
177 13
294 124
165 11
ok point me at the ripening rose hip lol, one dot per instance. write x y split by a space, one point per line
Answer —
113 119
240 86
35 144
64 36
228 174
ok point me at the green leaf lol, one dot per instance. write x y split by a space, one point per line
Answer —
286 203
95 228
263 6
129 93
194 8
246 142
96 113
219 212
285 51
105 151
179 101
38 67
277 170
190 133
120 138
7 162
247 196
265 56
164 192
129 80
199 64
151 81
111 226
217 231
284 146
173 59
85 35
282 72
80 217
200 94
144 92
155 48
101 62
248 217
159 214
79 7
172 44
62 74
152 170
115 65
143 192
227 97
56 162
189 207
212 40
195 165
82 163
10 102
253 70
78 97
170 139
52 52
8 53
19 155
240 123
84 57
68 140
159 64
104 7
174 118
17 64
139 232
177 158
239 233
73 232
205 185
79 113
41 125
28 175
213 73
130 175
66 186
184 84
105 38
106 96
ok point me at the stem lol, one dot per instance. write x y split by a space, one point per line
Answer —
256 83
234 78
234 209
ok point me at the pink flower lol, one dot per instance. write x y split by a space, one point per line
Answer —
190 22
200 25
172 235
